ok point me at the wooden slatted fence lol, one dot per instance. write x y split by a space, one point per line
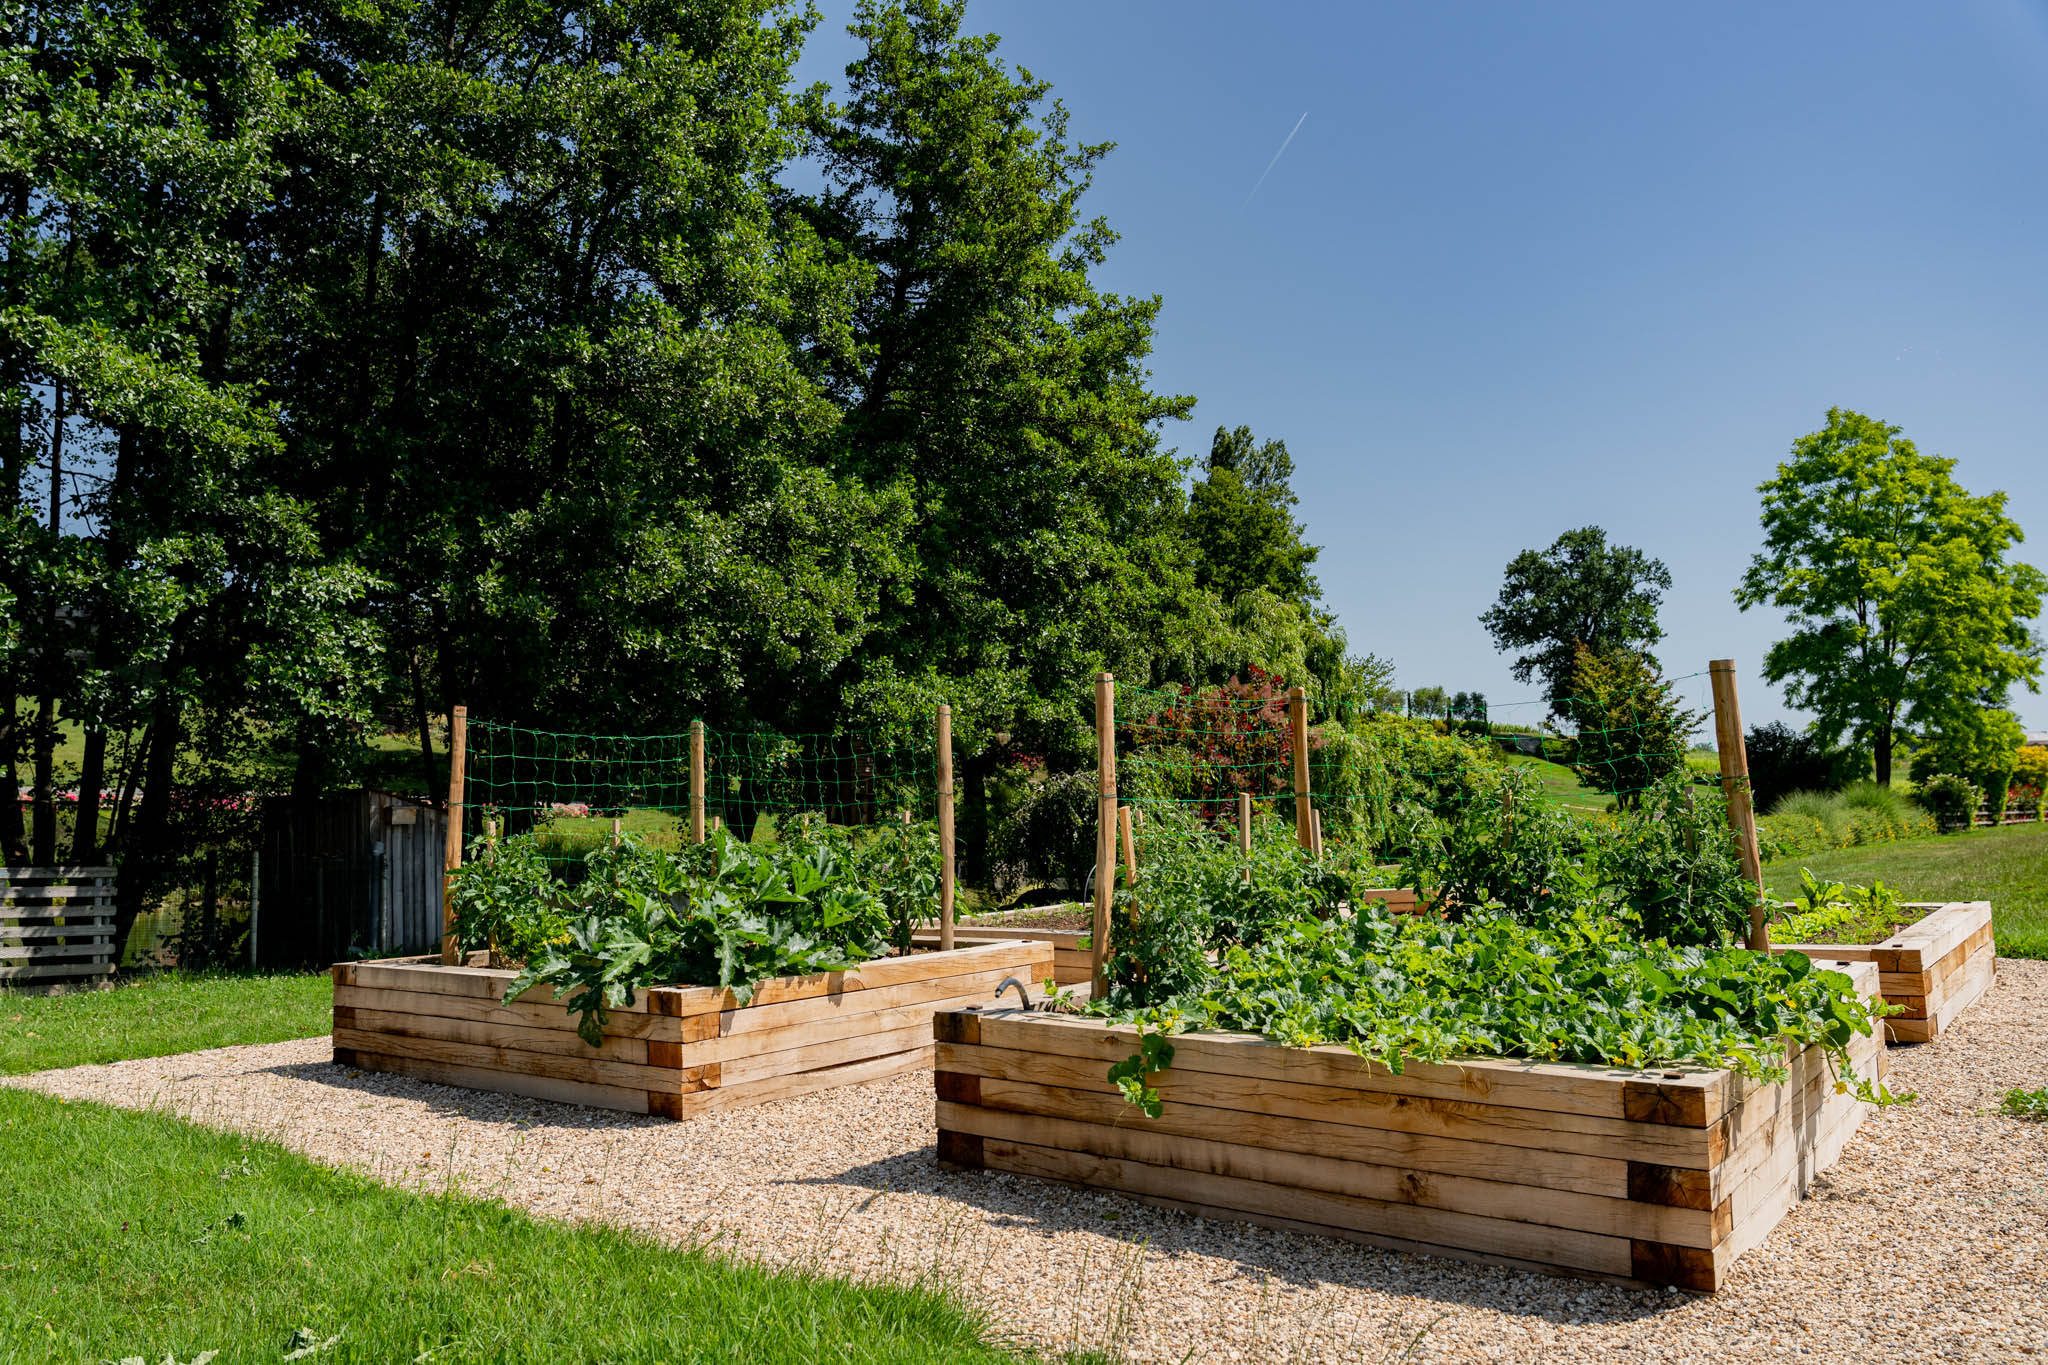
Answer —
56 923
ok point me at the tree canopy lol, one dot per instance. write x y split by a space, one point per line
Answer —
1581 592
1904 608
582 367
1240 517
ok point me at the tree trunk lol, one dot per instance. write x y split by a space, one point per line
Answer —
974 820
43 831
85 830
146 857
420 717
1882 754
13 834
42 839
13 441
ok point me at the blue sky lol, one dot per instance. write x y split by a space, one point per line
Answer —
1525 268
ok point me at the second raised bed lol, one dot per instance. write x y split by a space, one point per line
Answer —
1933 969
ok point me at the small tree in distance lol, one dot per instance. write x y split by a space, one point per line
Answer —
1579 592
1633 728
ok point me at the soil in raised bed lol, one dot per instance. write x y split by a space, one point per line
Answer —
1050 917
1864 929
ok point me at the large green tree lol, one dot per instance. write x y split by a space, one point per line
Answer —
987 377
1905 608
544 352
183 601
1581 592
1240 517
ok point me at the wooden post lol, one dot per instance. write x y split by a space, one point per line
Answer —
1123 822
1105 830
1315 829
458 755
1297 720
945 827
1734 755
1244 823
696 781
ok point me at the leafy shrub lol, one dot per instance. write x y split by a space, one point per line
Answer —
507 898
1196 895
1506 848
898 862
1050 836
1953 800
720 913
1672 867
1206 745
2030 767
1669 867
1784 760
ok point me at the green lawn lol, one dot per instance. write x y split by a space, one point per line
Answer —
1561 786
2008 867
133 1235
155 1016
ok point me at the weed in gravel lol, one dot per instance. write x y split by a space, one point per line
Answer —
2025 1104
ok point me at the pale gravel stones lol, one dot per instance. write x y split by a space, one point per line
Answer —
1928 1241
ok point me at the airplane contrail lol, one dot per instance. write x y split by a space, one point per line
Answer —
1276 157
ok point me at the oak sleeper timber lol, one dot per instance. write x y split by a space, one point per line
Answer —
961 1149
1649 1183
957 1087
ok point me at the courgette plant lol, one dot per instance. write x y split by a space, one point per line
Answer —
721 913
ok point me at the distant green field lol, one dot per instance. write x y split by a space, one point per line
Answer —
1561 786
2008 867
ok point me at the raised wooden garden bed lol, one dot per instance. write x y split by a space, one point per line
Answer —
678 1051
1651 1176
1069 959
1933 969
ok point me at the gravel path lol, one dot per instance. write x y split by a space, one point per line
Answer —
1928 1241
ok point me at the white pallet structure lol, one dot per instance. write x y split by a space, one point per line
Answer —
56 922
